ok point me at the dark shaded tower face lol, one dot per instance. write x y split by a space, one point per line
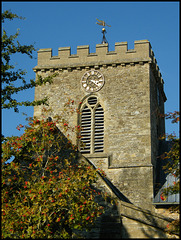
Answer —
119 95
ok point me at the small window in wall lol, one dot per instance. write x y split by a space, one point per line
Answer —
92 126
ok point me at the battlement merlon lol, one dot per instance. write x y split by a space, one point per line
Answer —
141 52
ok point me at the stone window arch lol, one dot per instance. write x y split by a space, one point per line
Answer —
92 126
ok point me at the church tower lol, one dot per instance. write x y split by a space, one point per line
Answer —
119 95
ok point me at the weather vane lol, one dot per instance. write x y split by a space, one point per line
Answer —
102 23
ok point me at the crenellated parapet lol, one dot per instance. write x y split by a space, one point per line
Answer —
141 54
157 74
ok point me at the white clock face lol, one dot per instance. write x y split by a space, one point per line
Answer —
92 81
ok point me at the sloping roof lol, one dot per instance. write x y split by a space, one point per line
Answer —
163 179
172 199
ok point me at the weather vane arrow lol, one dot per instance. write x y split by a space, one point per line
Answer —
102 23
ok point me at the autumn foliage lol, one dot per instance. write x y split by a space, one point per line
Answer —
172 167
46 193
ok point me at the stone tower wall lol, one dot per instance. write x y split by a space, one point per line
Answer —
129 103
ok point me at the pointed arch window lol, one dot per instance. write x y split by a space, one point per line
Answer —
92 126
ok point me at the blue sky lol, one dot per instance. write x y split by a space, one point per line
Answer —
64 24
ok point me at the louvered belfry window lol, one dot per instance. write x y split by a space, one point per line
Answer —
86 129
92 126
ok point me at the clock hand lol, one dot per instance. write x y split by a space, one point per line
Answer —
94 81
